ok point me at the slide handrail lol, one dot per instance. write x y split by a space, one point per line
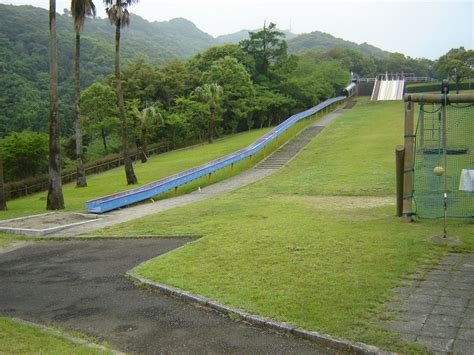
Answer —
147 191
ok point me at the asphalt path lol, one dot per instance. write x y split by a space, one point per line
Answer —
80 285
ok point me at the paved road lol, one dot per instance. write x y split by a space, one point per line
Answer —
80 285
233 183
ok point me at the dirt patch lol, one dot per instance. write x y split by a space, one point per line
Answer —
350 104
45 223
343 202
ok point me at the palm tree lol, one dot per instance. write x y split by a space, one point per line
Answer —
117 11
55 199
79 10
210 93
147 117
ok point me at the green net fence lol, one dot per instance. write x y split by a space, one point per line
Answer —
432 140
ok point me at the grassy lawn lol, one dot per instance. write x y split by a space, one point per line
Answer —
8 238
355 156
114 180
316 244
18 338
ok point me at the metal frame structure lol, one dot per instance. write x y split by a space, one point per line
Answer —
145 192
409 141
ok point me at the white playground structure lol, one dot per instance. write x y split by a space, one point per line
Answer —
388 86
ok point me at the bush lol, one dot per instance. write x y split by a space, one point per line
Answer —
436 86
25 155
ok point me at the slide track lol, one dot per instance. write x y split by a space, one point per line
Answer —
145 192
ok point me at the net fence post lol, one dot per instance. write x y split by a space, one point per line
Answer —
422 126
399 162
445 163
408 166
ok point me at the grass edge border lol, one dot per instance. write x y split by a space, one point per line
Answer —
262 322
66 336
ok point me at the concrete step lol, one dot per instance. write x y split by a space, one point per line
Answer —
284 154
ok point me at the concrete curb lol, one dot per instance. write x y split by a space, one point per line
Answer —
61 334
321 339
117 237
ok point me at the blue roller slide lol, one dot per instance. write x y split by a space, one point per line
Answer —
145 192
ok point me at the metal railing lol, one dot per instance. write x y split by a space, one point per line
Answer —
145 192
408 79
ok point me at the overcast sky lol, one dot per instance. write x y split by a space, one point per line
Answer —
418 29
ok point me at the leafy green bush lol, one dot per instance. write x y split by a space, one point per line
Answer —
436 86
25 154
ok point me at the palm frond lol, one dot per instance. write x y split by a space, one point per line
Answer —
118 15
209 92
150 115
80 9
122 3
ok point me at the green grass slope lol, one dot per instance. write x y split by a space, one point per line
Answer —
114 181
317 244
352 157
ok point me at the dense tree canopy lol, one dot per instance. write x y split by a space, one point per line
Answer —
238 91
454 65
24 154
266 47
99 112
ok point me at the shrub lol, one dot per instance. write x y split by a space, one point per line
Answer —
436 86
25 155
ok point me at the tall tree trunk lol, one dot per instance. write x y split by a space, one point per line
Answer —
210 134
130 174
3 201
104 139
55 199
144 146
81 174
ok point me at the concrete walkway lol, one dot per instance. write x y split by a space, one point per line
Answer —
436 307
291 149
80 285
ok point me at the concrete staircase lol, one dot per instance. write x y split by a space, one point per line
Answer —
288 151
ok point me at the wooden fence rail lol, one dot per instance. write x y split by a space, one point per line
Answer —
70 175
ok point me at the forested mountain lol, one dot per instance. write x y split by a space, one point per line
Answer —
24 79
236 37
24 64
299 43
321 41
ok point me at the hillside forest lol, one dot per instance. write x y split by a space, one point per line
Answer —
263 79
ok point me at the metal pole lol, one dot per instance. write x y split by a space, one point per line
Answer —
422 126
445 157
408 162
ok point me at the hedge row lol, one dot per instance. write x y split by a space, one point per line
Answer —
436 86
